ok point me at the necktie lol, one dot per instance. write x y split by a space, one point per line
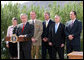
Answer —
46 24
33 22
71 24
23 27
55 28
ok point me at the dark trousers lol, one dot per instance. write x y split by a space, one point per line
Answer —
44 51
71 48
25 50
13 49
60 52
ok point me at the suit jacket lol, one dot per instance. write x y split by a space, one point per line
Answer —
46 31
38 29
28 31
75 30
57 38
15 30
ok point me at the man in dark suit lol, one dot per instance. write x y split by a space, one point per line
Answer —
25 30
45 46
73 30
57 38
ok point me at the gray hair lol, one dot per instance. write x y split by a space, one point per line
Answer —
58 16
23 14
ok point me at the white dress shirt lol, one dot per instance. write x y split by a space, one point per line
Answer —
34 20
47 21
9 32
73 20
57 25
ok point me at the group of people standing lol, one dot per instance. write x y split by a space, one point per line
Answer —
49 35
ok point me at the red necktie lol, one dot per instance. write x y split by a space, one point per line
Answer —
23 27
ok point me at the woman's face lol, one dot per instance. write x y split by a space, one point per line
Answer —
14 22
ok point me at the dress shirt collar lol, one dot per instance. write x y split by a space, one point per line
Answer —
57 23
47 20
73 20
24 23
34 20
12 26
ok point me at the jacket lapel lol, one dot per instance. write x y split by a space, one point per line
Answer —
54 29
44 24
59 27
49 23
36 23
73 27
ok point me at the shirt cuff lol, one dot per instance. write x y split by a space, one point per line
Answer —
7 42
25 35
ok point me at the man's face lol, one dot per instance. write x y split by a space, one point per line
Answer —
14 22
46 16
57 19
23 18
72 16
32 15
